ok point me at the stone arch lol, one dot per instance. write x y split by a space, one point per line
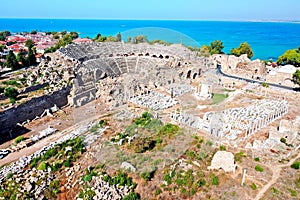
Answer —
188 76
195 75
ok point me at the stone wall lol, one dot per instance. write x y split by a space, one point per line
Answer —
32 108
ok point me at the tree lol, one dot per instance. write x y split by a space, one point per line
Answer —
216 47
33 32
296 77
140 39
244 48
291 56
21 58
4 34
119 37
63 32
31 59
11 61
129 40
74 35
204 51
11 93
29 44
1 47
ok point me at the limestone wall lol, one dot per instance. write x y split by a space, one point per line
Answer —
32 108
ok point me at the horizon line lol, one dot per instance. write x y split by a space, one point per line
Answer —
154 19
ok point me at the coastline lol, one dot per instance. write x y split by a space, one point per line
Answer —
269 39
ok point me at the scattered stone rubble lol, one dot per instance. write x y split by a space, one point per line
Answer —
188 119
128 166
27 181
223 160
235 121
248 119
154 101
18 166
177 90
103 190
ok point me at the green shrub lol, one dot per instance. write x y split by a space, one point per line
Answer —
264 84
238 156
87 178
168 179
275 191
146 176
9 175
215 180
256 159
209 143
253 186
132 196
103 123
42 166
67 163
259 168
157 192
201 182
54 184
19 139
222 148
56 166
295 165
293 192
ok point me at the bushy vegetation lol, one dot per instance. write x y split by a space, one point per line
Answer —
259 168
253 186
238 156
57 156
64 41
244 48
19 139
100 38
283 140
120 179
296 77
146 175
149 134
132 196
11 93
264 84
291 56
4 34
296 165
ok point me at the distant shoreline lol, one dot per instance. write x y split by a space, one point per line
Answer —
268 39
132 19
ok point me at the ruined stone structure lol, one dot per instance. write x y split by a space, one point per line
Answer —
248 120
241 66
119 71
223 160
236 121
32 108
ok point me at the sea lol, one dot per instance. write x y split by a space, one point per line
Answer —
268 40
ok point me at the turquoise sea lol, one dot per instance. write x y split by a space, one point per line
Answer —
267 39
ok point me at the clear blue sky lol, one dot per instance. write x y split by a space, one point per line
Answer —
153 9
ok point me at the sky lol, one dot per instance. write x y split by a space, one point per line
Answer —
153 9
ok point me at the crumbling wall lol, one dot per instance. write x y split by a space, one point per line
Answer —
32 108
